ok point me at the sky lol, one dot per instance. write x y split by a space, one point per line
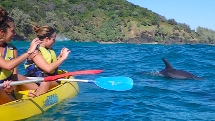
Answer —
191 12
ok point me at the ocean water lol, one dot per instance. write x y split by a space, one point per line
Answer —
152 97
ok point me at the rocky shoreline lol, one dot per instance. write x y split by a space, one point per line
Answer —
141 39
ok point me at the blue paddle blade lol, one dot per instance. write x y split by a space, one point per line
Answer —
117 83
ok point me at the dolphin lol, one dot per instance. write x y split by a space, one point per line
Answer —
170 72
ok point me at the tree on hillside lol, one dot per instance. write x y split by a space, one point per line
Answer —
22 22
206 35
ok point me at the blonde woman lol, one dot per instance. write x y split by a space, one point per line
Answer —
43 62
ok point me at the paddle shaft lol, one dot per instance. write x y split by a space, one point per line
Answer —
53 78
76 80
41 80
110 83
23 82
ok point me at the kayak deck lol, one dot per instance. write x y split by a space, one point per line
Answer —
26 107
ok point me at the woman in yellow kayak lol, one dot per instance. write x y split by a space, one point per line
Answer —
43 62
8 56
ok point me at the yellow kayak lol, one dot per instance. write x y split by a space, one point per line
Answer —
25 107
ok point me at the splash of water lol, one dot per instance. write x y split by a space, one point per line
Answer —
61 37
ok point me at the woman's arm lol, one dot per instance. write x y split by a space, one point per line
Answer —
42 63
9 65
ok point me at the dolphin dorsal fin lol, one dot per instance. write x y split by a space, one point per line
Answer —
168 66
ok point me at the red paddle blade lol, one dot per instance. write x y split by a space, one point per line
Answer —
85 72
52 78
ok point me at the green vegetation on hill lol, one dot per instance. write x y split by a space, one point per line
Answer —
102 21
